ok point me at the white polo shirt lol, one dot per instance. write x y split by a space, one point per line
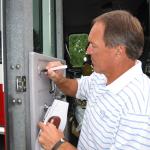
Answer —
117 116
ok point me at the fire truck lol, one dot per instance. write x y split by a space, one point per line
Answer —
32 33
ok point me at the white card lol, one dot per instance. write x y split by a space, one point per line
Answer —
59 108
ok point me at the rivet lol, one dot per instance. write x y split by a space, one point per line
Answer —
12 67
19 101
13 101
18 66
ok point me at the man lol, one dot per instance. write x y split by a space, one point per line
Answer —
117 115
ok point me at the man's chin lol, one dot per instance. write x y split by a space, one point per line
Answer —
97 70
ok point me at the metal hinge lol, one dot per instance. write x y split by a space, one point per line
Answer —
21 83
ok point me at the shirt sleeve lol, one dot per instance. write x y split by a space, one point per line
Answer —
88 84
83 87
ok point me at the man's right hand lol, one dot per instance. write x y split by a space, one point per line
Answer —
67 86
57 75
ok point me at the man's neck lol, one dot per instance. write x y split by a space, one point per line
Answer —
119 70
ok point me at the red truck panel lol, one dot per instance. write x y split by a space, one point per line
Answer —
2 118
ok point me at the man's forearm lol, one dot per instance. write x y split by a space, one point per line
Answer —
66 146
68 86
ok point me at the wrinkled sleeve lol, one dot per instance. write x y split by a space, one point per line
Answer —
83 87
87 84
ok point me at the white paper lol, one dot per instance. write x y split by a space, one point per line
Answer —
59 108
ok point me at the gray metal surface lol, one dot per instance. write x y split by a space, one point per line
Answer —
18 42
39 92
59 29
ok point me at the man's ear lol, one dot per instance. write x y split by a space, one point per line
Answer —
119 50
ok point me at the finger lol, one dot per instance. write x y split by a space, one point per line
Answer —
51 73
41 125
52 121
51 125
53 64
40 140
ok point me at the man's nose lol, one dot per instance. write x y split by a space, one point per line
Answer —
89 50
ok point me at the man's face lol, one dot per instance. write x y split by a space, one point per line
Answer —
102 57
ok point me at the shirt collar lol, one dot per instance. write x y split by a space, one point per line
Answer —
125 78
